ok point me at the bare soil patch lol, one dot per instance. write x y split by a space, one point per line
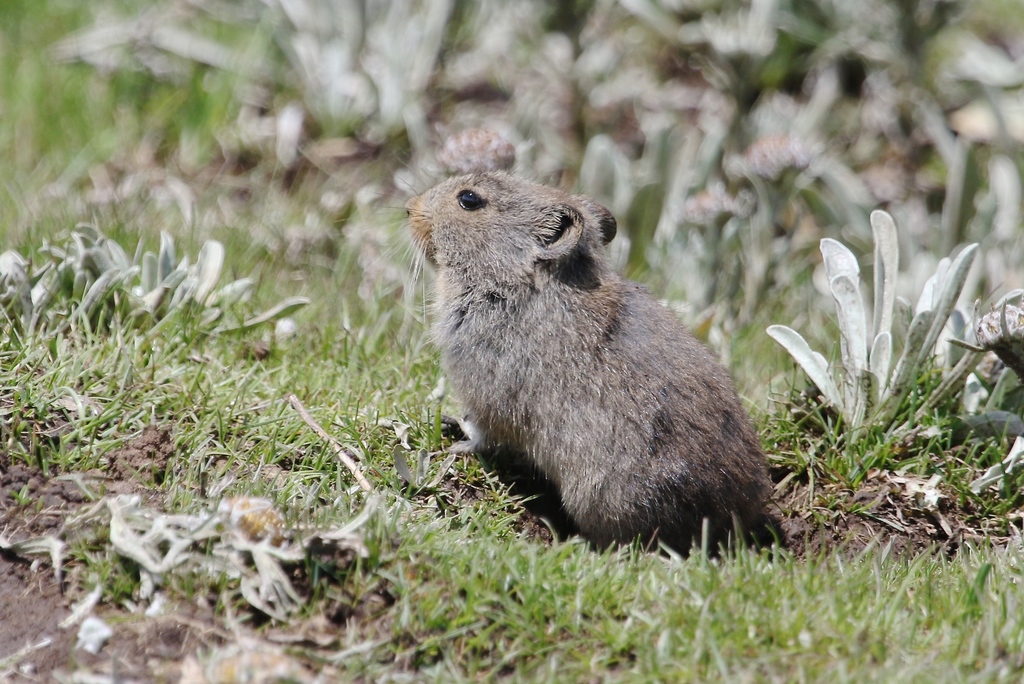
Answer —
909 514
151 648
31 606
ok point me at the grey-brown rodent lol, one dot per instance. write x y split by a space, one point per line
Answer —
557 357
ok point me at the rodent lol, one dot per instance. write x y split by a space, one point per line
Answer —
557 357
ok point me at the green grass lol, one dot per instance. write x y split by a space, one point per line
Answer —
451 588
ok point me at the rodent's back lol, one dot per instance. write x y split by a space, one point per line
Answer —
583 371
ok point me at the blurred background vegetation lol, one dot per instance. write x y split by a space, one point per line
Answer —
233 151
728 137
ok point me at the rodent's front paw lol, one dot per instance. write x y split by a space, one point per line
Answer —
466 446
474 442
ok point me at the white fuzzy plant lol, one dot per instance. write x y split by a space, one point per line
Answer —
870 385
91 272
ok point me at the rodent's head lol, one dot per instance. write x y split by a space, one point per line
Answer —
499 227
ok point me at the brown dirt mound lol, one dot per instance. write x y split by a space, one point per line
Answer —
22 483
908 513
34 502
145 458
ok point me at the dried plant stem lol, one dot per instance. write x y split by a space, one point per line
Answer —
952 381
343 454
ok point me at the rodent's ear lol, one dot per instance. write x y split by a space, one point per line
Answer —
559 231
605 221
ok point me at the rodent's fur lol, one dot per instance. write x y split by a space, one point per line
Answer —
557 357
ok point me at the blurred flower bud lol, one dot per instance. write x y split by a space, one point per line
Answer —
768 157
712 204
1002 331
476 150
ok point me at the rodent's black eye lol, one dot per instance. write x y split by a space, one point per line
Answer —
470 201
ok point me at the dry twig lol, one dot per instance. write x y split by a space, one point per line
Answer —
344 454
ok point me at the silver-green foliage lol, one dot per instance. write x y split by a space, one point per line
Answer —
870 387
89 282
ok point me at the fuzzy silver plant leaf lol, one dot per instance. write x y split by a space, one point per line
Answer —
174 279
605 174
962 184
655 16
98 291
865 388
812 363
43 290
991 425
88 234
166 258
152 299
210 316
887 263
1007 382
76 250
445 466
19 292
904 373
81 282
743 33
402 465
974 394
149 279
954 334
903 314
987 64
283 308
852 322
880 360
195 47
98 260
1004 180
422 465
117 254
13 266
183 291
234 292
1009 297
928 299
853 337
948 290
838 260
996 473
55 253
208 270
